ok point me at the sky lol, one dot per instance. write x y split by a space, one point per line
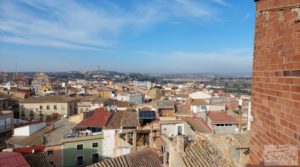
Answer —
145 36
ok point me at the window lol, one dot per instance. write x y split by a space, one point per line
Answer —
95 144
95 158
48 107
79 146
55 107
31 114
203 108
80 160
41 107
50 152
179 130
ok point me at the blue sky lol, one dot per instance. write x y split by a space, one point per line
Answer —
159 36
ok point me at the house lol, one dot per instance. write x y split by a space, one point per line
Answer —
54 140
29 134
89 103
40 83
10 103
198 105
183 110
165 108
135 98
22 94
222 122
198 125
84 144
114 105
200 95
6 126
121 126
171 128
37 108
153 93
105 92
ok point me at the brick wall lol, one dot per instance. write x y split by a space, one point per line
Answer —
276 77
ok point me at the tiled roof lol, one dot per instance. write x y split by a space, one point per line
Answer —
49 99
219 117
184 109
145 158
159 142
229 142
37 159
241 140
203 154
198 124
195 102
12 159
165 104
98 119
29 150
118 103
123 119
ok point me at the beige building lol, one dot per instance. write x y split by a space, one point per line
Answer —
39 107
90 103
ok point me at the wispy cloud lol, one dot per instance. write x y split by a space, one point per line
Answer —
220 2
246 17
227 61
80 25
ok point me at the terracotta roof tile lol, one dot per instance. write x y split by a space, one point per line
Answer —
12 159
198 124
144 158
198 102
221 117
123 119
98 119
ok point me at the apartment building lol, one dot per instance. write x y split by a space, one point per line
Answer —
37 108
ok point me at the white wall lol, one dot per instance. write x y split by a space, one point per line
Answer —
197 108
108 143
96 106
122 97
216 107
29 129
171 129
200 95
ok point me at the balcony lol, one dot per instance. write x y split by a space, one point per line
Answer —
82 137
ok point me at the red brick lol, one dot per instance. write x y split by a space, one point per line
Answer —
275 97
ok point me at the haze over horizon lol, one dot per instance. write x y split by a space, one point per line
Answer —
172 36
